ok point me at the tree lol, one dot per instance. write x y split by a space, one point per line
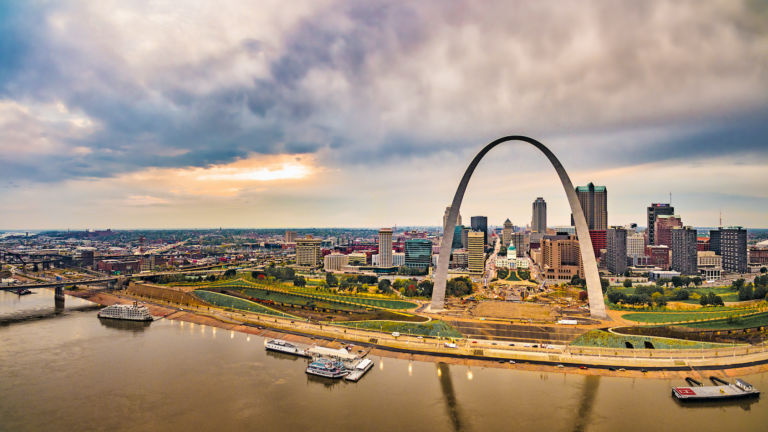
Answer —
502 273
211 278
331 279
425 288
616 296
677 281
763 270
737 284
385 286
299 281
627 273
627 283
681 294
230 273
577 281
604 284
696 280
746 292
659 299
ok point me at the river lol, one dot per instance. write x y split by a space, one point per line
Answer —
65 370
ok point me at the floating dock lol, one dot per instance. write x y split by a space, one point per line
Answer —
281 346
725 391
360 369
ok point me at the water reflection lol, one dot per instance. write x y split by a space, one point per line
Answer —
451 404
134 326
282 356
744 404
328 383
587 401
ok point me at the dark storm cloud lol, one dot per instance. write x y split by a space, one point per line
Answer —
377 80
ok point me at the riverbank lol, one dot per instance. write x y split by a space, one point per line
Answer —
583 361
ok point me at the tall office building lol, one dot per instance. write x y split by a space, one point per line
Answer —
385 247
654 211
714 241
458 233
521 242
594 202
308 252
476 253
480 224
684 253
445 217
539 220
663 229
733 249
506 233
635 246
290 236
616 250
418 253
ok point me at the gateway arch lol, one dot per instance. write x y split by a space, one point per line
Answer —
594 289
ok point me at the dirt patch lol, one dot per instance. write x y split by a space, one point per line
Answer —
509 310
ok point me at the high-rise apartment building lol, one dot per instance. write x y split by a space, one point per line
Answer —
663 229
684 253
561 257
476 253
635 246
655 210
445 217
594 203
308 252
418 253
290 236
480 224
616 250
733 249
506 233
385 247
539 219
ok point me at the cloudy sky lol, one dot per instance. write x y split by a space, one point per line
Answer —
147 114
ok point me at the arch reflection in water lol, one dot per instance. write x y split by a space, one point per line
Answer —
134 326
587 402
451 404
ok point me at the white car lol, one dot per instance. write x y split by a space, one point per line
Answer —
395 334
450 345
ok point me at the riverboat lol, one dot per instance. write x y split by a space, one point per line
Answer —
327 368
722 390
133 312
279 345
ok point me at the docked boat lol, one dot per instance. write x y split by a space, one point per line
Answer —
23 291
282 346
134 312
359 370
327 368
722 390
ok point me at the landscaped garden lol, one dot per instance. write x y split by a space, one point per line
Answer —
227 301
604 339
433 328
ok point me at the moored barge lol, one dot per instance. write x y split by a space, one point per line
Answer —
739 389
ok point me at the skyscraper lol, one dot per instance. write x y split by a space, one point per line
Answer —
616 250
733 249
561 257
663 229
521 242
476 253
458 233
445 217
385 247
714 241
539 220
290 236
654 211
594 202
635 246
480 224
418 253
684 253
506 233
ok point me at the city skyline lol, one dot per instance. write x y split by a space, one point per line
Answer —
363 115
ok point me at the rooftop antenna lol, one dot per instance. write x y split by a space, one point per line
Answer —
721 218
670 198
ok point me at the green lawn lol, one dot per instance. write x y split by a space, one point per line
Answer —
756 320
604 339
431 328
672 316
513 276
226 301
